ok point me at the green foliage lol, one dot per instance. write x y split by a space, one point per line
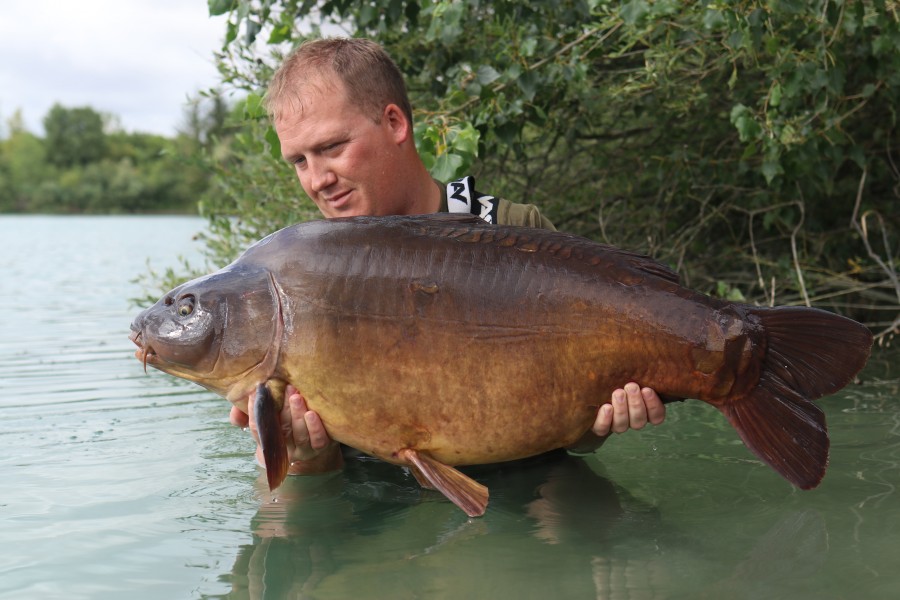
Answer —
23 168
740 142
253 192
74 136
448 151
80 167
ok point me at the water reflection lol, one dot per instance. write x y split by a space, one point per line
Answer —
793 549
372 528
554 528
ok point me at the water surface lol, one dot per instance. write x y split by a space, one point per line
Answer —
120 484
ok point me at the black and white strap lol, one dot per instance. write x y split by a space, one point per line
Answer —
462 198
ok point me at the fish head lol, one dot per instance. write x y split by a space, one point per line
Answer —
219 331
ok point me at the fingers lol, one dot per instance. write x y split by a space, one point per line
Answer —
637 411
238 418
631 407
309 434
620 411
603 423
656 410
251 422
299 430
318 437
303 430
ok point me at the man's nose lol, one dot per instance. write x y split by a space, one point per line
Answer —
321 176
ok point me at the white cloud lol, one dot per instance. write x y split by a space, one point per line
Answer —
136 59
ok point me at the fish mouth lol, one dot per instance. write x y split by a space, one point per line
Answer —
145 352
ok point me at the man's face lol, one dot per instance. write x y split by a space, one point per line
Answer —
345 161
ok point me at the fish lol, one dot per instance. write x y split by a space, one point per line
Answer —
437 341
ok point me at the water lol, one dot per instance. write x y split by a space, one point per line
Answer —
120 484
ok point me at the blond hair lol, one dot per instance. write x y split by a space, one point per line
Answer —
371 78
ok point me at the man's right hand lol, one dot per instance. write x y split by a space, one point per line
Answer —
310 449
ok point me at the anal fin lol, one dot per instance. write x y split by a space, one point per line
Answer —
420 477
271 438
461 490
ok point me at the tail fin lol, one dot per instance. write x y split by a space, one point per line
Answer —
810 353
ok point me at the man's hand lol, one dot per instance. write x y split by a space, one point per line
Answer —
310 448
632 407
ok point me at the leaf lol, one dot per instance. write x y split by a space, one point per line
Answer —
858 156
427 159
274 143
742 119
279 34
634 11
465 140
219 7
528 84
507 132
713 18
528 46
368 14
734 78
775 97
230 34
728 292
447 167
513 71
253 107
788 135
771 168
486 75
251 30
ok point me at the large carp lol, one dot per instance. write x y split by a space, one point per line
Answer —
440 340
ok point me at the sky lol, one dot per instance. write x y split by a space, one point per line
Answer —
139 60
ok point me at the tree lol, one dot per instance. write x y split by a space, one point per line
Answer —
23 166
74 136
740 142
84 164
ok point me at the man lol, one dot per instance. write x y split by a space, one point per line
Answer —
344 120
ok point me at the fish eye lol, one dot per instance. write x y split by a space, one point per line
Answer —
185 306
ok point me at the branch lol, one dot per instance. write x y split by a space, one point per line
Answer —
794 248
859 223
500 87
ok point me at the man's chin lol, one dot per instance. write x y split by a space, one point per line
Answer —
342 207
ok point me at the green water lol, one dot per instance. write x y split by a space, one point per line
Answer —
117 484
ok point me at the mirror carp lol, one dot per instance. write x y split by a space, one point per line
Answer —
436 341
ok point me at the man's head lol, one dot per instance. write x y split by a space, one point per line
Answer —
370 77
344 120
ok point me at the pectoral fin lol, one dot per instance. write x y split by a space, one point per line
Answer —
271 439
463 491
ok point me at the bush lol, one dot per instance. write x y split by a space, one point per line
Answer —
750 145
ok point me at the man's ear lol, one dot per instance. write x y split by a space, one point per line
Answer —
395 120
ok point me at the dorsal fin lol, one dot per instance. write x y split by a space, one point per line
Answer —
469 228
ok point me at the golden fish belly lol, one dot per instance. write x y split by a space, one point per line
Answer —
471 391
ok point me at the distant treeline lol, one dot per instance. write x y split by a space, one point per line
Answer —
86 164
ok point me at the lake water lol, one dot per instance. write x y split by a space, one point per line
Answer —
121 484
